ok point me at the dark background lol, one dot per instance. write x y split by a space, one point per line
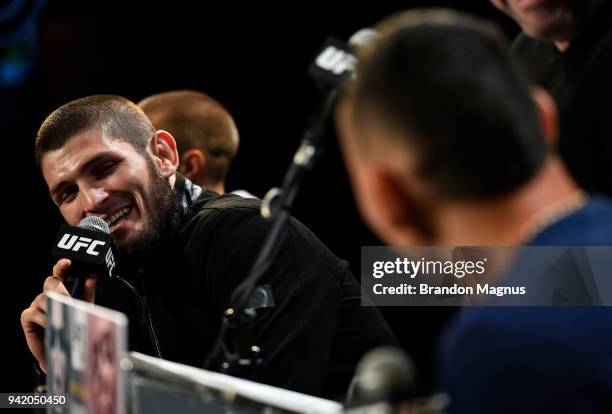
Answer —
251 58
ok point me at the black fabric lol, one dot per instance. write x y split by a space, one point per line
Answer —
311 335
580 81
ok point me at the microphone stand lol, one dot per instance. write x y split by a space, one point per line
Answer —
276 205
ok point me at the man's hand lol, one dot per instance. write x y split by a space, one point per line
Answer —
34 318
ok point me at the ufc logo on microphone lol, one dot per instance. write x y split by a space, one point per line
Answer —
110 261
76 243
335 60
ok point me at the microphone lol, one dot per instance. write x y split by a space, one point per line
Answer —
327 70
90 250
385 383
382 375
335 59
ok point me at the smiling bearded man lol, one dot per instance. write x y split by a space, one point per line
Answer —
141 208
183 250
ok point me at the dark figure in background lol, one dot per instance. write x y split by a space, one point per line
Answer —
566 46
447 145
182 250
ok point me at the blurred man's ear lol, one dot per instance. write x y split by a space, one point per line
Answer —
193 164
547 112
385 203
379 190
392 207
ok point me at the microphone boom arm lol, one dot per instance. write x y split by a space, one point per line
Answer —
275 207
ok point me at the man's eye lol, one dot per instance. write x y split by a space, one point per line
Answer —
106 168
68 195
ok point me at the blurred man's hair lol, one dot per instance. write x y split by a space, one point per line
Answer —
443 82
118 118
196 121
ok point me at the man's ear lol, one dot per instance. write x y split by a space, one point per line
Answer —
383 202
193 163
395 204
163 150
547 113
386 205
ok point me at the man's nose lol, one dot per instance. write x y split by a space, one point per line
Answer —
92 199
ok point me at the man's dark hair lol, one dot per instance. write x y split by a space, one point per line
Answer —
118 118
443 81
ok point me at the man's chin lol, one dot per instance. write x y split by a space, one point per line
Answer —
129 246
135 249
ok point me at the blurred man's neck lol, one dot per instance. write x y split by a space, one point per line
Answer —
218 188
562 45
517 217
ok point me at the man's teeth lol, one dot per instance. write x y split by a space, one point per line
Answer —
118 215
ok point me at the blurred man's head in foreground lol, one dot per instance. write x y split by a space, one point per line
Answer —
438 117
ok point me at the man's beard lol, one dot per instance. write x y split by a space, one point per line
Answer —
160 226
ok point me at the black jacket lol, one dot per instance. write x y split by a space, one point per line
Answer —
312 330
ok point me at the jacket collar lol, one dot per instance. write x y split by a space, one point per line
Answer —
188 192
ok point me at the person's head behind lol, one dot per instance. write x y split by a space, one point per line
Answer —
552 20
100 155
206 136
437 114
